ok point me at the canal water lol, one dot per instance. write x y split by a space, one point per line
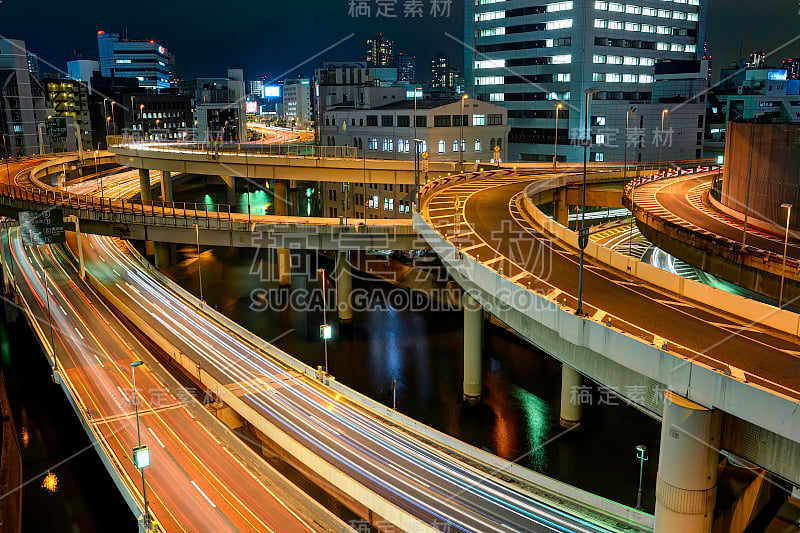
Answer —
422 349
52 440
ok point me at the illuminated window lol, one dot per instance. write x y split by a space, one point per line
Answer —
490 63
559 24
442 147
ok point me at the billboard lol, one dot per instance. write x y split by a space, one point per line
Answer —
251 108
271 91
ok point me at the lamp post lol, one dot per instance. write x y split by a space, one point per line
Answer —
628 113
788 208
641 455
325 329
559 107
583 233
461 143
664 114
140 452
141 119
417 91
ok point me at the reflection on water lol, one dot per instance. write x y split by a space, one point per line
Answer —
422 350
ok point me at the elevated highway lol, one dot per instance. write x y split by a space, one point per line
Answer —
201 478
681 216
671 347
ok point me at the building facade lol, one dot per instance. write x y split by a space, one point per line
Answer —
406 68
146 61
530 56
220 107
69 98
297 102
23 108
380 52
388 131
83 70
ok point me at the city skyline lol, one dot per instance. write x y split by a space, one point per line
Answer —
267 54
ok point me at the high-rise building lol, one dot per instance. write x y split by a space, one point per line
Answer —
33 65
69 98
147 61
443 74
83 70
220 107
297 102
255 88
792 67
406 68
380 51
23 108
548 52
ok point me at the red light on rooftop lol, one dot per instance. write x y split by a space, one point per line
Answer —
101 32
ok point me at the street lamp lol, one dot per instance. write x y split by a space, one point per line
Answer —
559 107
141 119
628 113
583 232
199 263
788 208
664 114
461 143
641 455
417 91
141 454
325 330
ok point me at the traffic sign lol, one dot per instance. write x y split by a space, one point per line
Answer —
56 128
141 457
583 237
42 227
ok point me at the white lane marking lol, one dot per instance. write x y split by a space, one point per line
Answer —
153 433
203 494
98 359
79 333
123 394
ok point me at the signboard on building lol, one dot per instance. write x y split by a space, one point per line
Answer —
57 128
42 227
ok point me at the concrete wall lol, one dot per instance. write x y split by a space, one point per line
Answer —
775 162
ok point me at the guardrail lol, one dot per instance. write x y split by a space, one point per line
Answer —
215 149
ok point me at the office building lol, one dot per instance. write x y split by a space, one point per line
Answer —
33 65
138 112
146 61
406 68
255 88
792 68
531 57
380 52
83 70
69 98
443 74
220 107
297 102
23 108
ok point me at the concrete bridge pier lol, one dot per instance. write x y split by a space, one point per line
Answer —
686 486
571 408
230 189
280 200
473 346
163 255
561 207
144 185
166 186
344 286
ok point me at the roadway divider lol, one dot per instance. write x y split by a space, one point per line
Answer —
540 487
748 310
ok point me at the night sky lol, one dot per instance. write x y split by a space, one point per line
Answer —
271 37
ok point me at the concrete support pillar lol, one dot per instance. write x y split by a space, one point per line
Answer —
281 198
162 255
144 185
230 189
571 409
686 487
561 207
344 286
166 187
284 261
473 346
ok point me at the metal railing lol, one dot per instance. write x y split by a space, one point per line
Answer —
215 149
